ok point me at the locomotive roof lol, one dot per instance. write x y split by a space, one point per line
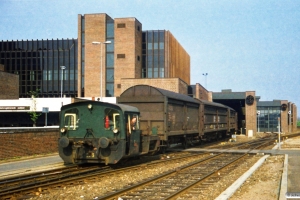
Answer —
146 90
123 107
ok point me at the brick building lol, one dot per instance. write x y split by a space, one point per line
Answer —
256 116
9 84
111 55
125 51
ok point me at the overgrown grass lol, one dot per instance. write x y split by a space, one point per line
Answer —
298 123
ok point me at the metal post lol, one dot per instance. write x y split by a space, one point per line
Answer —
100 71
45 110
205 74
290 118
46 120
258 113
258 125
62 77
107 42
279 133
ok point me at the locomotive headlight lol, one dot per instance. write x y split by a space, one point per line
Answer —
63 130
115 131
90 106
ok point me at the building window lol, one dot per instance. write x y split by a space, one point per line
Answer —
138 58
121 25
32 76
37 63
120 55
153 58
109 75
268 118
110 25
110 60
109 89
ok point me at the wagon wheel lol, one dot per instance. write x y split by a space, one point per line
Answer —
184 143
200 140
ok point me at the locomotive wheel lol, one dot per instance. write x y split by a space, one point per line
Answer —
163 149
152 153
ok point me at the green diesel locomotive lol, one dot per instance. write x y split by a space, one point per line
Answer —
98 132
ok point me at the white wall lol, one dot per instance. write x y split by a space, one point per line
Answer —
53 104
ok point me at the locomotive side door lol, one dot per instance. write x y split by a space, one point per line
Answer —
133 134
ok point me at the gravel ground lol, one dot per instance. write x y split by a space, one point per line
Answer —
264 183
92 190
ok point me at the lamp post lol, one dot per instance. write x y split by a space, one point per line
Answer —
205 74
62 77
96 43
258 113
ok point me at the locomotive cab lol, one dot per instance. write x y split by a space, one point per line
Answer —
133 134
97 132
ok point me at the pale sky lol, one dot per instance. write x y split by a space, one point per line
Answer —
251 45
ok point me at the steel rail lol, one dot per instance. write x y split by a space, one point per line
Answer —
183 190
64 178
157 178
133 188
47 180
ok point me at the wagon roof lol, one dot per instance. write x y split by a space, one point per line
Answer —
215 104
149 91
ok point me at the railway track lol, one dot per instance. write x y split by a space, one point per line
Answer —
265 142
27 185
191 179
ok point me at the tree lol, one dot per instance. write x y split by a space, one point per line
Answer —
33 114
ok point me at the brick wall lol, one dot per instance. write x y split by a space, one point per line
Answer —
128 42
28 142
251 116
201 93
293 117
284 118
95 30
9 85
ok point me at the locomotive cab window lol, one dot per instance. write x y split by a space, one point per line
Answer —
111 119
134 122
71 119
